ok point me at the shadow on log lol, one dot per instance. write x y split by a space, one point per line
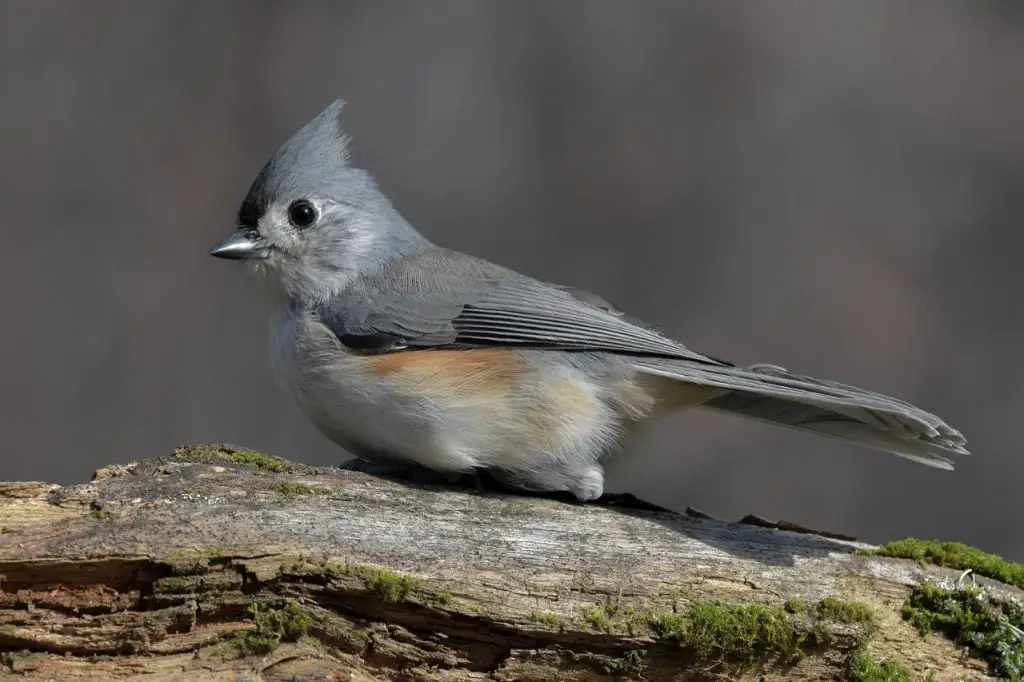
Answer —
218 563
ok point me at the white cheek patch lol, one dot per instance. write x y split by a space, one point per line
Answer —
275 229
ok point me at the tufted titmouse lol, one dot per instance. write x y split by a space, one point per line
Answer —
404 352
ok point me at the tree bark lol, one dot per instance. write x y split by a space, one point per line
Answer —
220 564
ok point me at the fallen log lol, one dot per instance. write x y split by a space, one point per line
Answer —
218 563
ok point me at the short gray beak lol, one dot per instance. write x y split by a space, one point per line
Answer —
239 246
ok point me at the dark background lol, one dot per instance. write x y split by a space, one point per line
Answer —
835 187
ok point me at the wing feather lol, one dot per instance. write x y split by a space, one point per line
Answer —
446 299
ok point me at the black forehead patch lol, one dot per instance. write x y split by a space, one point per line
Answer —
250 212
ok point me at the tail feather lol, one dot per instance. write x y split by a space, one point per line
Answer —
828 408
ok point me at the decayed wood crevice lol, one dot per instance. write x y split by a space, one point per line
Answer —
175 566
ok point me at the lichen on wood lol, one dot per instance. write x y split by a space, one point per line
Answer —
217 561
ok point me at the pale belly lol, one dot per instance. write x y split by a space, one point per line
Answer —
333 390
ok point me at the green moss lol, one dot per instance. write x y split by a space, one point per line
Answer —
293 489
863 669
668 625
271 627
389 585
841 611
954 555
741 632
969 616
258 460
834 610
547 619
608 617
98 514
597 618
751 632
795 605
226 453
334 568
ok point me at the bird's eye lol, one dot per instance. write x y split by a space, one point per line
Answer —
301 213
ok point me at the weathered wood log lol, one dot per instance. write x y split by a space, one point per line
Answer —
216 563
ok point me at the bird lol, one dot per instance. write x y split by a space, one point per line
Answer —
409 354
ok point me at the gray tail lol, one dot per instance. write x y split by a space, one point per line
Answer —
828 408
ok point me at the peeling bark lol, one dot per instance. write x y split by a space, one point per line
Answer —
176 568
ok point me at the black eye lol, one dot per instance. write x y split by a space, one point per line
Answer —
301 213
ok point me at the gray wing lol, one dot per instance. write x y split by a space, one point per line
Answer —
442 298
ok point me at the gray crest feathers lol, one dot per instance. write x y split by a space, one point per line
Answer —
314 156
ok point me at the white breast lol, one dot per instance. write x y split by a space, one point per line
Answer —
354 408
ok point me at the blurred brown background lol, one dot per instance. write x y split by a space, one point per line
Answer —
835 187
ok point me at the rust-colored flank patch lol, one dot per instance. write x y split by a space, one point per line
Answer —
489 367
